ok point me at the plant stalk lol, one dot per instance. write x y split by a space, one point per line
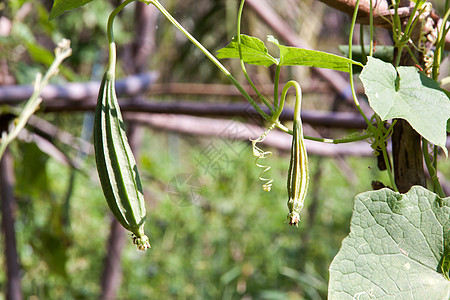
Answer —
437 188
352 84
241 60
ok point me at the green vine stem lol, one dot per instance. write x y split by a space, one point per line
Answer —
440 44
380 142
371 28
401 38
437 188
61 52
211 57
244 70
412 21
275 87
352 84
375 132
361 43
276 115
111 69
298 98
286 87
340 141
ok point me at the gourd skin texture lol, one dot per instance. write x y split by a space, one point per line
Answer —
116 165
298 175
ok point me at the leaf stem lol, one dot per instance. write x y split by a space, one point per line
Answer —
387 161
298 100
276 115
275 87
440 45
399 56
402 38
352 84
361 43
410 25
339 141
286 87
109 27
110 33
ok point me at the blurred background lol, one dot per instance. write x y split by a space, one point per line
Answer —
215 233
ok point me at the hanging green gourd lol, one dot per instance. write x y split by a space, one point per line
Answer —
298 176
116 164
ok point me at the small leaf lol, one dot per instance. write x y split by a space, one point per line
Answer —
292 56
253 51
60 6
419 99
394 249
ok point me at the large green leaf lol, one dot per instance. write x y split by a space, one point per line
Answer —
60 6
292 56
253 51
407 94
395 248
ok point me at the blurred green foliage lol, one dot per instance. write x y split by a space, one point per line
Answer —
215 233
222 237
29 46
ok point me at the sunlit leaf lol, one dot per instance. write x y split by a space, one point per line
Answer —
253 51
394 249
292 56
408 94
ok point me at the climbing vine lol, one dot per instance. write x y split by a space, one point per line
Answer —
411 93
